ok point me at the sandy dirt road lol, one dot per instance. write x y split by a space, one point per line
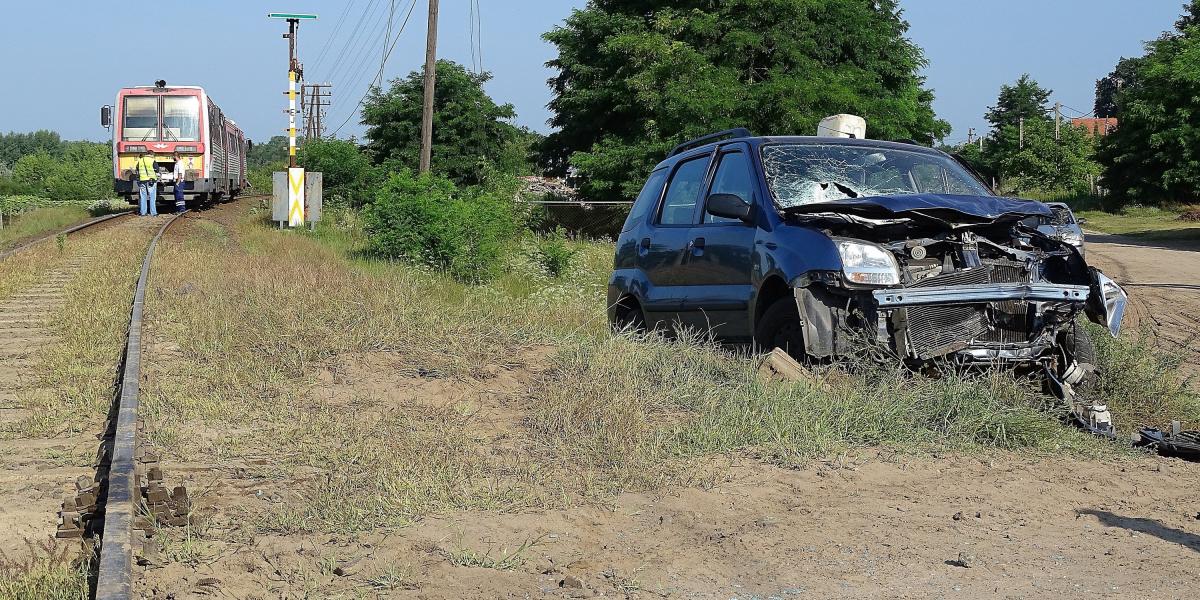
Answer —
876 527
1163 281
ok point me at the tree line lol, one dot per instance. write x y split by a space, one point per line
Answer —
635 77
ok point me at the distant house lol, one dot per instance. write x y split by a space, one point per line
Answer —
1096 127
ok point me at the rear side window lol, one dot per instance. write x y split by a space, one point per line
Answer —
679 206
646 200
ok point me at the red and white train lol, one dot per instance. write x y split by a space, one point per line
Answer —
163 121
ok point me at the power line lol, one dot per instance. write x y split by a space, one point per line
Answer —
362 51
474 24
379 78
361 63
471 28
479 33
333 36
1082 115
363 67
352 39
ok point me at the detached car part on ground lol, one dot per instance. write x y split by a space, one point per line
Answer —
832 248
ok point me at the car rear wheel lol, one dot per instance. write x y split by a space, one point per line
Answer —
780 327
628 317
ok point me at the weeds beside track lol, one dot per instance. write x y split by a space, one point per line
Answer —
68 231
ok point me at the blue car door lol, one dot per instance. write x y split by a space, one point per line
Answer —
663 250
720 253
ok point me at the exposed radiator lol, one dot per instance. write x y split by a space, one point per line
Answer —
938 330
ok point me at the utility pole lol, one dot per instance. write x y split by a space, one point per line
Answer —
314 98
1057 119
971 136
430 83
1021 125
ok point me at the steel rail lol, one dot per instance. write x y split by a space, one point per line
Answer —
11 251
115 578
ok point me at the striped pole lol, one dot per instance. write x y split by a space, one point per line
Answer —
292 116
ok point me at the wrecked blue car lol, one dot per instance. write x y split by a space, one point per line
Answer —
829 246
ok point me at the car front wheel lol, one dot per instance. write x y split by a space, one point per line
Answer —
780 327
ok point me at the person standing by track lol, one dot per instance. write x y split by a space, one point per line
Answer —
146 171
180 205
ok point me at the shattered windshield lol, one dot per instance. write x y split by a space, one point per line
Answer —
800 174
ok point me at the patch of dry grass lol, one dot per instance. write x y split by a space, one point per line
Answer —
25 268
48 571
76 374
39 221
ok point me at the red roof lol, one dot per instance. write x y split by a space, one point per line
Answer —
1096 127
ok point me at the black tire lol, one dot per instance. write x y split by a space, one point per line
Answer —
1078 347
780 327
628 317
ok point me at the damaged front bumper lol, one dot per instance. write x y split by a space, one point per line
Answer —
994 322
1000 292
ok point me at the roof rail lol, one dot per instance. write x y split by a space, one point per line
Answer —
712 137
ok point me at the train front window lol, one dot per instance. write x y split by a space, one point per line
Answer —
141 119
181 118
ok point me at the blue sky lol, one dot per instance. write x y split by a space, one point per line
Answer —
62 61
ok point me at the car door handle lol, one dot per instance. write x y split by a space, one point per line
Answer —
696 247
698 243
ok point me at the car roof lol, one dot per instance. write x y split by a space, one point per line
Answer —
798 139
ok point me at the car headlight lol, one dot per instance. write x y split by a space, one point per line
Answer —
867 264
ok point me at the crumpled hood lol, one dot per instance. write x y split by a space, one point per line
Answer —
950 208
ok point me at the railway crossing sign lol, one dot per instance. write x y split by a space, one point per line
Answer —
295 197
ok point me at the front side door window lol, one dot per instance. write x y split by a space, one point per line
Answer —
733 177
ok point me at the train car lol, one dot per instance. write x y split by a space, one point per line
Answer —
166 120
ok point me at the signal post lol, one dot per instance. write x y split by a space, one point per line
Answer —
296 195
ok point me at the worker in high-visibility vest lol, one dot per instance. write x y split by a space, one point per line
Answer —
146 172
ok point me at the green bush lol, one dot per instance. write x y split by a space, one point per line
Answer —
348 174
427 219
11 205
260 177
554 252
83 173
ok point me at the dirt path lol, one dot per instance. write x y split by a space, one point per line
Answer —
1163 281
884 527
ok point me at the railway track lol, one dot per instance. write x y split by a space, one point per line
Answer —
120 486
111 506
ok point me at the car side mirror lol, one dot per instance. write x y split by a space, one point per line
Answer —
729 206
106 116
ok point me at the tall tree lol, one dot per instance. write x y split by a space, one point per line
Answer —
636 77
1123 75
1043 161
1024 99
1154 154
470 131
